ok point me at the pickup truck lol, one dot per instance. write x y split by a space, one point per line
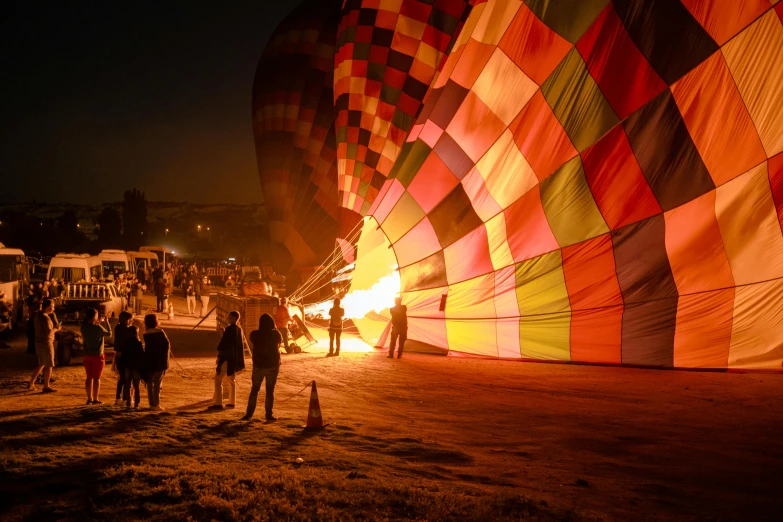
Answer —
78 297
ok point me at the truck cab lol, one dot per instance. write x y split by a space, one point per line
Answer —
78 297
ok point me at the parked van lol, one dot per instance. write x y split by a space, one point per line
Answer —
73 268
146 260
116 260
165 256
14 276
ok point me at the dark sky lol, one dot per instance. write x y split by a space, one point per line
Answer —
99 97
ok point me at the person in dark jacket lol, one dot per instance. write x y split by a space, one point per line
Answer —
132 360
160 293
266 365
230 360
33 305
399 320
121 333
336 314
157 350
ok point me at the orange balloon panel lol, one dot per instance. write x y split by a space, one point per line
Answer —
597 181
603 181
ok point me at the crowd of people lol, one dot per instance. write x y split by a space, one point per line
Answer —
144 358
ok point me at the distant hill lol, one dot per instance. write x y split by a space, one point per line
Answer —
159 213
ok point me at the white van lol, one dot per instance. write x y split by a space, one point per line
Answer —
165 256
146 260
116 260
73 268
14 276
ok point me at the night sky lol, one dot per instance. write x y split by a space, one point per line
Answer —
99 97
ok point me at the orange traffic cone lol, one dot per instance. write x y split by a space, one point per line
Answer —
314 420
171 312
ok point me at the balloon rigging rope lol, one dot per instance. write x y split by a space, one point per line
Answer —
332 260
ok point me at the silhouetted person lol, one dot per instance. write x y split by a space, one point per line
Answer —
336 314
6 321
160 293
203 296
399 319
157 349
266 365
121 333
33 305
230 360
133 361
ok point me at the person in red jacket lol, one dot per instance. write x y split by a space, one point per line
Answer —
282 319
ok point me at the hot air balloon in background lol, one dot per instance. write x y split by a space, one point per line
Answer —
596 181
387 56
293 122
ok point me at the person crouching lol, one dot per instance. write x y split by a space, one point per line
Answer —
157 350
230 360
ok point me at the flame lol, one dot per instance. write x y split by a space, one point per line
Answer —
359 303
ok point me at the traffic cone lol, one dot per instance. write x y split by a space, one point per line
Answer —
171 312
314 420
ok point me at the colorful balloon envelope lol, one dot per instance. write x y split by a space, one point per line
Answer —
595 181
388 54
293 122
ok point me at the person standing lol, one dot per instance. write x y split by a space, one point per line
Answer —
230 360
282 319
160 293
139 301
45 329
399 319
33 305
133 361
54 289
336 314
6 321
94 359
190 297
157 351
121 334
167 278
141 275
266 365
204 296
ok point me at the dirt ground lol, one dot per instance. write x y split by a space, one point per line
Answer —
421 438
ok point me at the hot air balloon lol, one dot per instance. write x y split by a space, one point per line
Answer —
388 54
595 181
293 122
